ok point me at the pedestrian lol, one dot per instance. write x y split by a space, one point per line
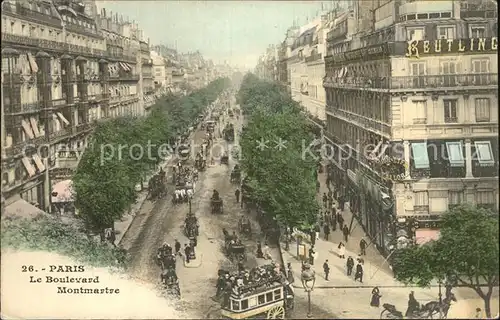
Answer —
328 180
330 196
341 250
267 254
326 269
312 235
349 265
177 247
289 274
326 230
187 252
316 231
360 260
345 232
325 199
359 273
312 253
237 195
362 246
375 302
241 267
340 218
479 314
333 219
342 203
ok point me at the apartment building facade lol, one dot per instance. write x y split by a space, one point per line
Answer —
412 113
307 67
62 70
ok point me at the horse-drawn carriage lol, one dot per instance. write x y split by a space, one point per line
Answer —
234 249
171 284
210 125
236 175
191 227
224 159
429 310
200 163
157 185
269 297
166 260
244 226
183 152
228 132
217 206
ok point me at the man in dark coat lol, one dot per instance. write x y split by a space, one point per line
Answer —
325 199
350 265
311 255
177 247
312 234
340 218
326 269
362 246
237 195
220 285
345 232
333 219
359 273
260 254
326 230
187 252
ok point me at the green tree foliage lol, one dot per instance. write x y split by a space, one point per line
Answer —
46 233
280 179
466 253
117 157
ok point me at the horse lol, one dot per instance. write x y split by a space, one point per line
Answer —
433 307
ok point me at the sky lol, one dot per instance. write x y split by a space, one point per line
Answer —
234 31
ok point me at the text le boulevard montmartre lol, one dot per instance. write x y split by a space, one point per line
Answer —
418 47
80 290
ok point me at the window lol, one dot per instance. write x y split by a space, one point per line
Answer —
477 32
485 198
277 294
261 299
448 69
418 70
455 198
455 154
484 154
480 66
414 34
420 108
482 109
244 304
420 200
420 155
269 297
236 305
450 111
447 32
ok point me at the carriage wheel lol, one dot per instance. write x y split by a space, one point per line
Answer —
277 312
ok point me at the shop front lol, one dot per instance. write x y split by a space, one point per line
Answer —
376 213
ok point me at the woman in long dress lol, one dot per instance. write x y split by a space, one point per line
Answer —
341 250
375 302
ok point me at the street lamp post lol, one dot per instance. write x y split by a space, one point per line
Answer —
440 301
308 277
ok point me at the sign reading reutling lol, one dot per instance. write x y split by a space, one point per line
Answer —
416 48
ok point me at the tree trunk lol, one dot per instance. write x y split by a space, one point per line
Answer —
487 303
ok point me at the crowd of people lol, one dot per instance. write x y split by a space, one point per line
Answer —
244 282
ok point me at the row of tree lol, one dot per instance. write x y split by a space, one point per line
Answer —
278 177
123 150
466 254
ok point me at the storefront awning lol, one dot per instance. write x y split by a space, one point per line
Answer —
484 152
27 129
63 119
20 208
63 192
29 167
455 154
38 162
33 65
34 126
420 155
425 235
123 66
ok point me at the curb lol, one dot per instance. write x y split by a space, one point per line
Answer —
133 218
192 265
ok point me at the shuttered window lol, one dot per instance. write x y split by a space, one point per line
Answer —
485 197
455 197
482 106
421 198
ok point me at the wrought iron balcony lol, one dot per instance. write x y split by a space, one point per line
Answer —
360 120
415 82
421 208
125 77
32 107
58 103
24 147
314 57
29 14
83 127
58 134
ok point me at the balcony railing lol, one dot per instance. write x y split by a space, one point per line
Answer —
362 121
314 57
30 14
415 82
23 108
83 127
65 47
421 208
125 77
22 147
485 14
58 134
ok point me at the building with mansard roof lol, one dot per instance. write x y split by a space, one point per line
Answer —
412 113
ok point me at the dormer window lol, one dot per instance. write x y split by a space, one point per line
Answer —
477 31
